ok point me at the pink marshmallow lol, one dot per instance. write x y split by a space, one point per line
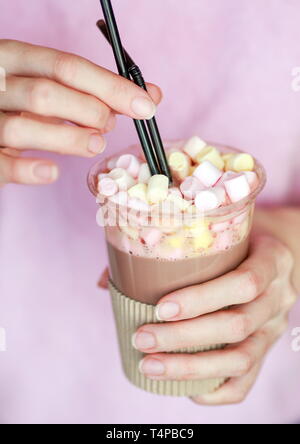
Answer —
237 188
208 174
208 200
240 219
107 187
226 176
252 179
175 192
224 240
221 226
130 163
190 187
151 236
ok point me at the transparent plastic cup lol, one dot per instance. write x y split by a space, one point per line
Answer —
154 251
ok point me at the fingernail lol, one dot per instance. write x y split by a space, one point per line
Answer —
143 107
143 341
167 310
96 145
45 173
152 367
111 122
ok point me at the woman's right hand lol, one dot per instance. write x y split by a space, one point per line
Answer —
46 90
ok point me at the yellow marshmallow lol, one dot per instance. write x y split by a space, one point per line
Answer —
211 154
179 202
240 162
193 147
196 229
244 229
179 164
139 191
203 241
175 241
158 188
131 232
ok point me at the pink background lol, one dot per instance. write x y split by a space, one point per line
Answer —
225 69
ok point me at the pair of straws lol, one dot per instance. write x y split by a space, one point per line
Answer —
151 142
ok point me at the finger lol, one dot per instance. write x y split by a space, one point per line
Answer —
234 361
22 133
236 389
51 99
155 93
27 171
223 327
238 287
118 93
103 282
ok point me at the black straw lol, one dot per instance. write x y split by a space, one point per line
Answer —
115 40
138 79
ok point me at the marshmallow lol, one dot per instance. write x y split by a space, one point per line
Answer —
213 155
244 229
226 176
120 198
175 241
158 188
209 199
240 162
137 205
252 179
178 201
102 176
220 226
237 188
208 174
123 179
130 163
112 163
107 187
144 173
193 147
240 218
130 232
139 191
175 191
179 164
151 236
190 187
224 241
196 229
203 241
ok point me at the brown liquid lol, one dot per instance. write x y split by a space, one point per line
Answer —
148 279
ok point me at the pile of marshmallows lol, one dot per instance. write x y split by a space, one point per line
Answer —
203 178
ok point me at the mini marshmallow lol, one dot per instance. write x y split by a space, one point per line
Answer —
240 218
237 188
175 191
209 199
193 147
139 191
130 163
151 236
196 229
144 173
221 193
112 163
137 205
252 179
213 155
130 232
107 187
178 201
220 226
120 198
224 241
204 241
175 241
158 188
123 179
102 176
179 164
240 162
190 187
208 174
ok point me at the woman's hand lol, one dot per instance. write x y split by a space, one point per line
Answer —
45 91
260 294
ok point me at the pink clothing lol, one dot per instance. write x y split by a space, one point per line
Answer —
225 69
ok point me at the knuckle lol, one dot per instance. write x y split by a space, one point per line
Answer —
240 326
66 67
12 131
252 282
100 114
289 300
119 88
285 257
39 95
243 361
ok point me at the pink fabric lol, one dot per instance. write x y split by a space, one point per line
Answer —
225 68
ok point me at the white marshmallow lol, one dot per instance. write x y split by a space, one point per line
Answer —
107 187
193 147
221 194
137 205
178 201
123 179
220 226
226 176
179 164
158 188
151 236
120 198
190 187
139 191
252 179
208 200
237 188
175 191
144 173
112 163
208 174
130 163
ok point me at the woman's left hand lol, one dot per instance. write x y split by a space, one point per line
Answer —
260 294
